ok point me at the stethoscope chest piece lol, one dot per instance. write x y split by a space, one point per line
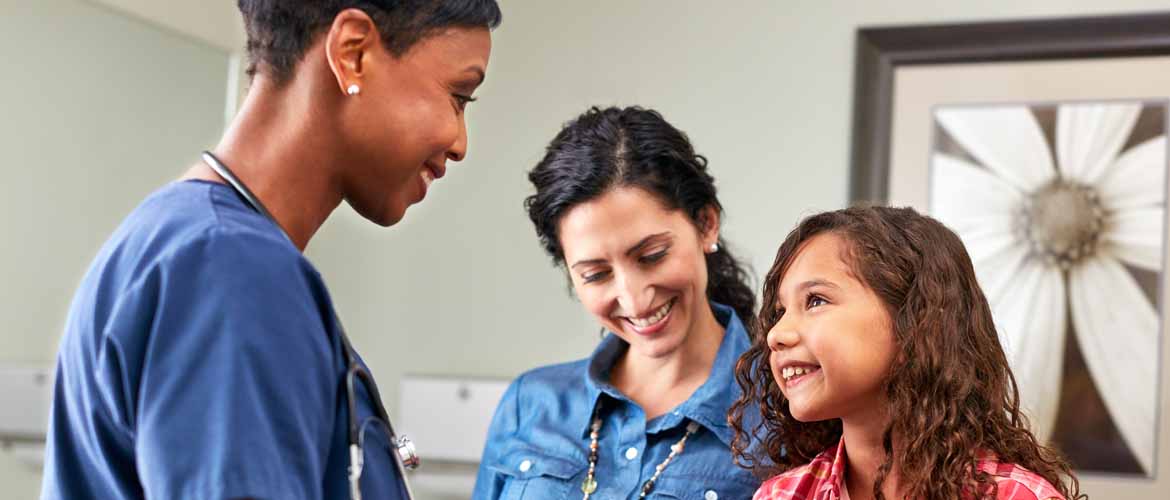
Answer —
406 452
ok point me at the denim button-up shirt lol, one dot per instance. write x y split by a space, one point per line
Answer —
538 443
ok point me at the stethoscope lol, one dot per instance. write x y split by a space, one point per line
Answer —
406 457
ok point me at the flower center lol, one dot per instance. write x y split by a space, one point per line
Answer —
1062 222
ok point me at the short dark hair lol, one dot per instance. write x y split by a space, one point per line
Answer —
280 31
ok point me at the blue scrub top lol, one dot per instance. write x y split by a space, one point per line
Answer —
538 443
200 360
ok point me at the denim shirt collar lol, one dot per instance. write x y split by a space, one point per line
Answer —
707 406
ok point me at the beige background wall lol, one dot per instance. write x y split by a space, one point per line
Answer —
461 287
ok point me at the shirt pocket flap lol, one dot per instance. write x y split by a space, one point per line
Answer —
700 488
526 463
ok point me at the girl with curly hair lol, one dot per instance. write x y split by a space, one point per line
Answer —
874 333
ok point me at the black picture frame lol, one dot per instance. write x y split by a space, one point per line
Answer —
881 50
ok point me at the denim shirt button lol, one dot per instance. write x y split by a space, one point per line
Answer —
631 453
711 495
525 465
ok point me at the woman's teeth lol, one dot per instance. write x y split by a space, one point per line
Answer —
653 318
427 177
795 371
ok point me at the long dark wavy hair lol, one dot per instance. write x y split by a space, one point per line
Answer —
949 383
604 149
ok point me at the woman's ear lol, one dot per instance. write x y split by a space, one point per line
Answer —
709 226
347 46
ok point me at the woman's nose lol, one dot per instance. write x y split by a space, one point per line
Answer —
633 296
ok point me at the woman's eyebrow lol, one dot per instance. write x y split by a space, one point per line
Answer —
477 73
587 262
646 241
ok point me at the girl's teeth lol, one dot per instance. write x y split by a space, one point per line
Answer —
794 371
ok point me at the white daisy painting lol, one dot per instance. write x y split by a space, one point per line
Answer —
1062 207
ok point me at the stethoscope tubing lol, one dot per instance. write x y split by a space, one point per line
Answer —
354 370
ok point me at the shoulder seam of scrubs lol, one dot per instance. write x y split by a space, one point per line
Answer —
209 197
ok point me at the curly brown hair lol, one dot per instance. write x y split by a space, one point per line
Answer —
949 381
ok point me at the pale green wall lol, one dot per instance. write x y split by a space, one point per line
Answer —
96 111
99 110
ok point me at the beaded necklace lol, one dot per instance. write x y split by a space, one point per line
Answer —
590 484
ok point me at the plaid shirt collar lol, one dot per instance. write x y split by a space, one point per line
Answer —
824 479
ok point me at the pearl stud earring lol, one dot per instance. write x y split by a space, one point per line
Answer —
353 89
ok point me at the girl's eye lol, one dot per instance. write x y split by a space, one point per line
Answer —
815 301
654 257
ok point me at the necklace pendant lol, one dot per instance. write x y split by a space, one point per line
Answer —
588 486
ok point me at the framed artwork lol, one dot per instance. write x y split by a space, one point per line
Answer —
1043 145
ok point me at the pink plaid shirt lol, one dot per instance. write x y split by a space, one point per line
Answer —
823 479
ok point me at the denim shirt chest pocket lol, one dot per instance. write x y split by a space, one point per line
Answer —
535 474
702 488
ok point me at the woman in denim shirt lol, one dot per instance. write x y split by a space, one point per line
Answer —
626 206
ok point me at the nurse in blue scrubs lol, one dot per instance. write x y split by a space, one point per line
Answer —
201 359
630 211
